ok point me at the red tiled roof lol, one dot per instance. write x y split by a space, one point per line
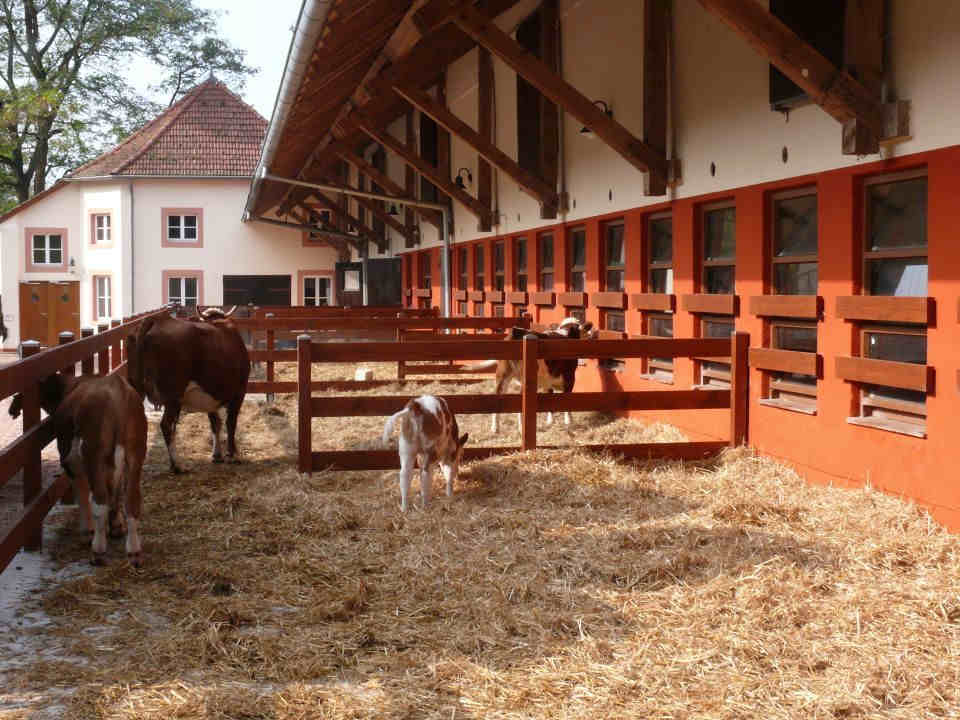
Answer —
208 132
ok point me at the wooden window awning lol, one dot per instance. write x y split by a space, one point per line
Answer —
808 307
609 300
710 304
653 301
543 298
517 298
877 308
572 299
788 361
906 376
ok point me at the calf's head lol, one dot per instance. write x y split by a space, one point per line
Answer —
52 391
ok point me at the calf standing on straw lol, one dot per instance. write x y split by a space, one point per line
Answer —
428 431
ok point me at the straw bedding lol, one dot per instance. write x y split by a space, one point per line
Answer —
553 584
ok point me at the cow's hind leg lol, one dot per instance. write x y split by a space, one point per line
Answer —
134 503
215 425
233 412
168 425
118 520
97 471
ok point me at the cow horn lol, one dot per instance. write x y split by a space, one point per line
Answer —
231 311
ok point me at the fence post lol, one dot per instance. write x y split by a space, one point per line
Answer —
304 405
124 349
115 347
65 338
271 343
103 357
529 393
401 365
739 388
86 365
32 469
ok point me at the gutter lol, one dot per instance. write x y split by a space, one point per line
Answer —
313 15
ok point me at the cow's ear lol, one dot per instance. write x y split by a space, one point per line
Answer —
463 439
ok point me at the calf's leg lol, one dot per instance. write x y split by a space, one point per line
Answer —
408 460
233 412
168 425
426 465
215 425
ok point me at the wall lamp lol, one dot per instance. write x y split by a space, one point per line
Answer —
587 132
459 180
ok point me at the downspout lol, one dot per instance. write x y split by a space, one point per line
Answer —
313 15
133 244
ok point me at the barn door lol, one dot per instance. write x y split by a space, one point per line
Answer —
383 281
350 283
47 309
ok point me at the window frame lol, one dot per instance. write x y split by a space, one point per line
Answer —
542 269
463 276
318 216
168 275
574 270
424 271
805 191
663 365
304 275
705 263
95 281
499 266
521 274
181 212
903 409
479 268
655 265
620 267
787 393
94 214
867 255
46 267
713 377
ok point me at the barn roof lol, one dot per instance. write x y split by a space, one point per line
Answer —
209 132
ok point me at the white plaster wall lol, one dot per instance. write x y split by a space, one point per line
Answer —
720 106
104 261
230 247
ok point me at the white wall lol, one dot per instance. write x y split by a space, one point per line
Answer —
720 106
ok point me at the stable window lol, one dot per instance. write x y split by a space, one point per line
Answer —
461 269
47 249
795 391
478 309
719 224
183 290
423 268
520 265
102 300
546 263
478 270
714 373
614 320
660 254
614 257
660 325
794 238
578 260
316 291
895 263
101 227
498 267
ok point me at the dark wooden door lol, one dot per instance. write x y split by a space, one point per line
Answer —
47 309
383 281
350 283
256 289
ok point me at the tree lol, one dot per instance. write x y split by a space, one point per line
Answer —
64 96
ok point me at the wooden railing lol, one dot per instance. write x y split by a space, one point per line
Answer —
101 353
383 329
529 401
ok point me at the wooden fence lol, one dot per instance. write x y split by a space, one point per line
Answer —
528 402
101 353
387 329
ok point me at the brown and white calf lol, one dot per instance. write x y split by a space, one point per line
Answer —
552 375
428 432
101 432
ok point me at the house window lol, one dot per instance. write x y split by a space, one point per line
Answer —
102 307
47 249
895 263
546 263
182 227
316 291
529 119
498 266
478 279
794 390
719 248
520 265
423 269
712 373
578 260
794 251
660 254
100 228
660 325
613 253
183 290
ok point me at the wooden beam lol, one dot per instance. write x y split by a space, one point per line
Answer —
334 241
833 89
537 73
443 184
656 29
526 180
485 91
549 112
365 231
410 179
374 207
389 186
863 51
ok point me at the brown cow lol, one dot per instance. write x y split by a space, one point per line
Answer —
193 366
552 375
101 433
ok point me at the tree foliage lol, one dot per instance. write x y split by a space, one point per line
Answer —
65 88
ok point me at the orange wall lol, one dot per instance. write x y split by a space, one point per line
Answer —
823 447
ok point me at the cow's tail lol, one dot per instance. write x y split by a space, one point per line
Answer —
135 368
391 421
480 366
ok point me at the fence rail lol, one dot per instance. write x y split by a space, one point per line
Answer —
103 352
528 402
